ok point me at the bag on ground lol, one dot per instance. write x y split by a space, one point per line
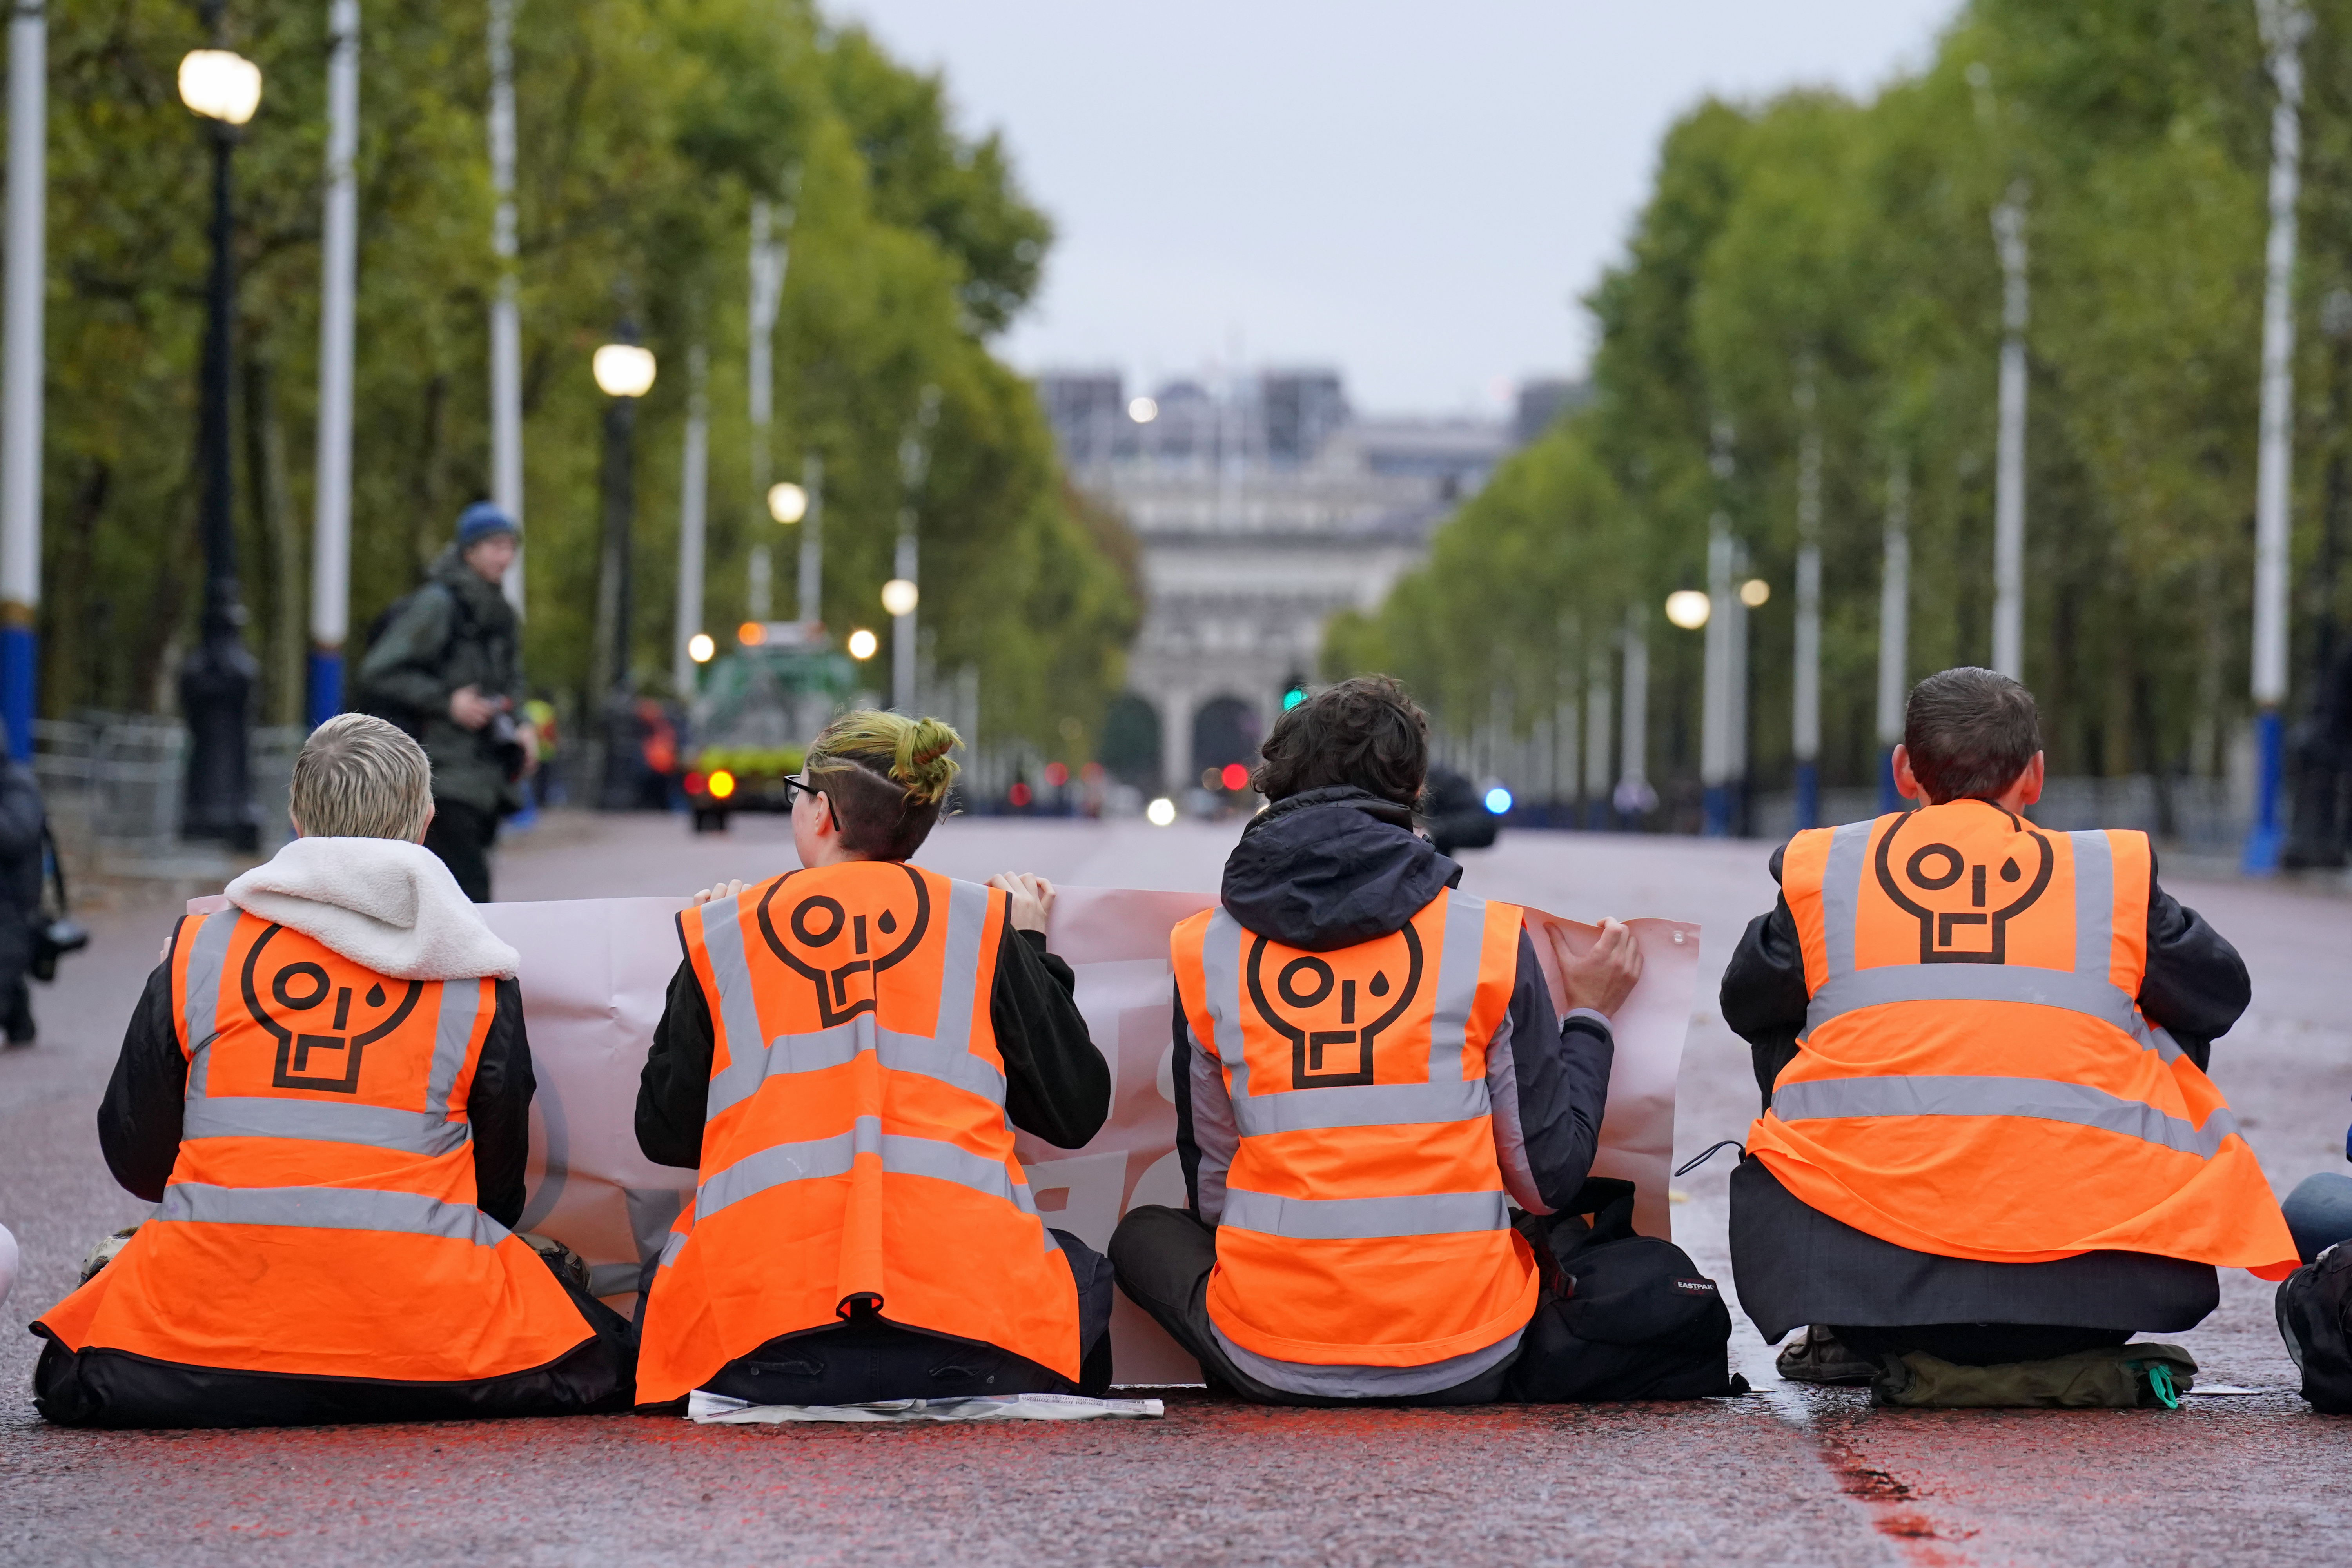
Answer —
1626 1316
2113 1377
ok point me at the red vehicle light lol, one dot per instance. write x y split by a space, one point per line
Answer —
1057 774
1018 795
694 782
1234 778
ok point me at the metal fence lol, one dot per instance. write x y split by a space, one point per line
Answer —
113 783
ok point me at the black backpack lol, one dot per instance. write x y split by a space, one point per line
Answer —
1625 1316
365 699
2315 1318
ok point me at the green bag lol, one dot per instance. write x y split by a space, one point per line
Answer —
2119 1377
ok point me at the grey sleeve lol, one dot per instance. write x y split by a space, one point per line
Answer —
1548 1080
1206 1135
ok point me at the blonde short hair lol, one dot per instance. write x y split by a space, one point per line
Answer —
359 777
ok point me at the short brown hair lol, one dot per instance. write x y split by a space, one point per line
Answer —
884 776
359 777
1364 731
1968 734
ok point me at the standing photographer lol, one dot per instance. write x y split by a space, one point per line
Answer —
447 667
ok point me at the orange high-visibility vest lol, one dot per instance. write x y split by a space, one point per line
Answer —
856 1144
1975 1079
1365 1222
321 1217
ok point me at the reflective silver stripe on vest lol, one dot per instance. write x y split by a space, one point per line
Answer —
1364 1219
2043 1100
2085 989
323 1122
1446 1097
781 1164
329 1209
1220 984
200 1002
946 1055
739 1014
453 1036
1849 862
1465 941
674 1244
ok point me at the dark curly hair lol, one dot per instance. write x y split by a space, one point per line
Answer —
1364 731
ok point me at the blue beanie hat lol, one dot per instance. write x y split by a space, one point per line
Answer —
480 520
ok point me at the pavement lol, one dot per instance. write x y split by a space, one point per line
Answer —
1788 1474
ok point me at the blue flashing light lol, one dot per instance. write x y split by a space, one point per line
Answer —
1499 801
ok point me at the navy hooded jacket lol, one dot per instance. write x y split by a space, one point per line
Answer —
1329 869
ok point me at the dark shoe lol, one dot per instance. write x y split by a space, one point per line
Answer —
1815 1356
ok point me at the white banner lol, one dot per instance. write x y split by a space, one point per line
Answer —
595 973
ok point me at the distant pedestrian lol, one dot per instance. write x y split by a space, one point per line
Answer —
446 667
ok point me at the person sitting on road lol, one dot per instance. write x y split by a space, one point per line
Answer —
844 1054
326 1088
1369 1073
1988 1134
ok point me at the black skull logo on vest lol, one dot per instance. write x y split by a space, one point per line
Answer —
316 1049
841 953
1334 1021
1963 907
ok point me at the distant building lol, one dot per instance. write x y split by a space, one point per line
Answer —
1264 507
1542 402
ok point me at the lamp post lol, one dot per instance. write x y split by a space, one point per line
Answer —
331 525
900 594
1893 631
625 372
216 681
769 257
1723 689
506 318
21 361
2009 464
1805 709
2285 24
693 471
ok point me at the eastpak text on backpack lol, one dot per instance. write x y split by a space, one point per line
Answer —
1623 1315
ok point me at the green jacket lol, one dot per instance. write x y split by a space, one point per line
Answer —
458 631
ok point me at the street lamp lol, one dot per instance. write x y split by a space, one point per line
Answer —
1688 608
217 679
625 372
900 597
787 502
863 644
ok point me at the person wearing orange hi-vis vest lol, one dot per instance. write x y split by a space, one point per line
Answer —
1987 1133
846 1052
326 1089
1369 1080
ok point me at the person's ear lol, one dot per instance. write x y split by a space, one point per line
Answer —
425 826
1907 783
2030 782
294 824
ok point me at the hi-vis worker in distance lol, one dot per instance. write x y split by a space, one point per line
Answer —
1987 1133
326 1089
1369 1077
846 1052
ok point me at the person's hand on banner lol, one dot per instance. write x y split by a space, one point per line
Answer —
729 891
1032 898
1602 975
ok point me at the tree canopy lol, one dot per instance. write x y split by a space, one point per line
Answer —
646 128
1816 241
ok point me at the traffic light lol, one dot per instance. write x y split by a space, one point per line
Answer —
1293 692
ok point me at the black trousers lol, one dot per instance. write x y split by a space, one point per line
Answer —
462 835
866 1359
1163 1257
114 1388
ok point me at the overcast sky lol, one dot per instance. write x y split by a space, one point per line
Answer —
1414 193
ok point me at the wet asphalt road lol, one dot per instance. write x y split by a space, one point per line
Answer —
1786 1475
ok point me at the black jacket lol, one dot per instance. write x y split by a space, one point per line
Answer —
1329 869
139 1120
2195 984
22 818
1056 1084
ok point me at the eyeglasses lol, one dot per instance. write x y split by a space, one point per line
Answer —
797 784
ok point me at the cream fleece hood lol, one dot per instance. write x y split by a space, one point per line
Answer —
387 906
